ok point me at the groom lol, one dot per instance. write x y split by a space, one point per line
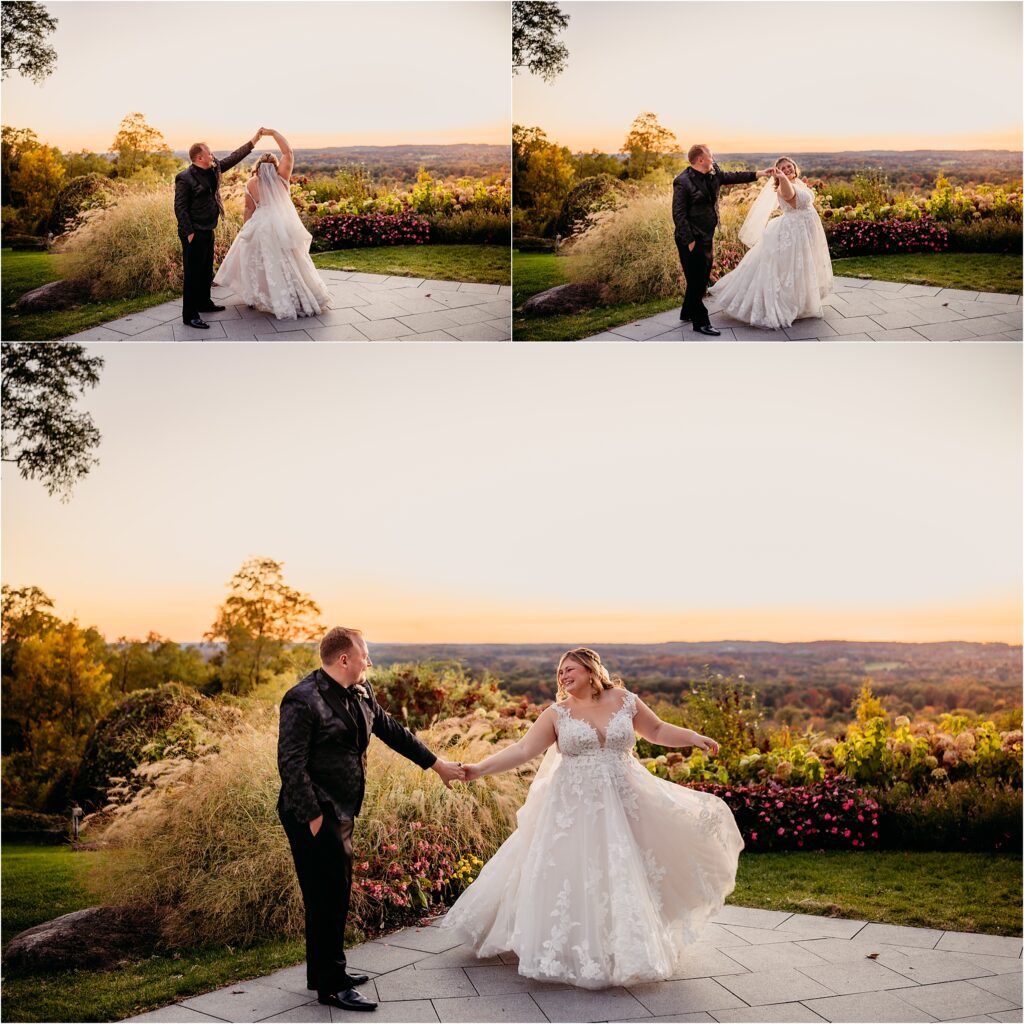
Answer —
197 206
695 215
326 722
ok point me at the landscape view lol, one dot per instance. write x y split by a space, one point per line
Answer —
905 195
152 621
88 166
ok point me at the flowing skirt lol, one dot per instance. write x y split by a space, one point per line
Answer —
781 279
270 277
610 876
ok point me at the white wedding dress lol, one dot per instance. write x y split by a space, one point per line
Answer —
268 264
612 872
786 274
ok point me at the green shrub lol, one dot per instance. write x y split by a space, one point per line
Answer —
86 192
474 227
148 726
19 825
423 693
965 815
591 196
995 234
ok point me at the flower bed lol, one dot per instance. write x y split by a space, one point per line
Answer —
836 815
877 237
350 232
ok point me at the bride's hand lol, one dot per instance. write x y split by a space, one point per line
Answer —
708 744
472 772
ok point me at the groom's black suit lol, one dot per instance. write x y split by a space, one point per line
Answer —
197 207
321 756
695 215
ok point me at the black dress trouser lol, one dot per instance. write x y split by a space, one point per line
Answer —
324 865
697 271
197 259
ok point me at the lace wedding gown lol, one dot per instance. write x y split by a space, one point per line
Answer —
268 264
611 872
785 275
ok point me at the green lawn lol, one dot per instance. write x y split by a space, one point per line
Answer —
23 271
974 271
956 891
963 892
483 264
535 272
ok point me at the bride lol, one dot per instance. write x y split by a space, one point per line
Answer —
268 264
612 873
787 271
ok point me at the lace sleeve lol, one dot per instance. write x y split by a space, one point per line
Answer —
630 703
804 198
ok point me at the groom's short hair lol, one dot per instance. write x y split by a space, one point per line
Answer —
695 151
336 642
195 149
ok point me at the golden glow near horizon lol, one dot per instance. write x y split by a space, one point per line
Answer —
324 74
547 493
786 77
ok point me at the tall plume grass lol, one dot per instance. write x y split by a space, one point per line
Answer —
131 247
630 252
205 841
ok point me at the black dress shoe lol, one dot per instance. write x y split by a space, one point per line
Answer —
198 322
712 332
212 309
349 999
346 981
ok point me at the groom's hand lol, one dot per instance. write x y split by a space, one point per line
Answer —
190 237
691 245
314 825
449 772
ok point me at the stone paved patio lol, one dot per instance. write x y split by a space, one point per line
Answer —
364 307
861 311
754 965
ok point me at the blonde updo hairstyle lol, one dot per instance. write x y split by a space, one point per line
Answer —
600 680
789 159
266 158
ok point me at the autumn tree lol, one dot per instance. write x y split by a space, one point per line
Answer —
143 664
543 173
535 44
646 142
137 144
14 144
25 27
43 434
261 618
55 691
36 182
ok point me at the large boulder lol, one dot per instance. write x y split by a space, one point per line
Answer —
95 938
563 298
55 295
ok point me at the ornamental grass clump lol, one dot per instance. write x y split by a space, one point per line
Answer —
630 252
203 837
131 247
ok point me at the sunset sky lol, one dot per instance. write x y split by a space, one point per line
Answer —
786 77
324 74
566 494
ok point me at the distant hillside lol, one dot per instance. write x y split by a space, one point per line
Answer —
402 162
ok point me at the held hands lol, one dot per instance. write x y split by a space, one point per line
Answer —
449 772
768 172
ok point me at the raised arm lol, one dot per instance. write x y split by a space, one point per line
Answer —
287 156
786 190
654 730
239 154
533 744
